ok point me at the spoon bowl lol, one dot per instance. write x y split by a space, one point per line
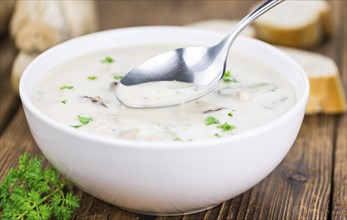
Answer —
181 74
184 74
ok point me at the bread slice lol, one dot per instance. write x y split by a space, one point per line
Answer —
222 25
301 24
21 61
326 91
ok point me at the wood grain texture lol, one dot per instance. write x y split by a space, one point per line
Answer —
339 196
310 183
14 141
122 13
299 188
339 187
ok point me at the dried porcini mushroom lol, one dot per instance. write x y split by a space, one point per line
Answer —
113 85
214 109
96 100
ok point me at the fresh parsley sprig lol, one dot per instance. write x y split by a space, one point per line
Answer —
30 192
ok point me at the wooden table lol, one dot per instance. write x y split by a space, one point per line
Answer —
310 183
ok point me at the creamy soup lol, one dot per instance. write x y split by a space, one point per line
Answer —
81 95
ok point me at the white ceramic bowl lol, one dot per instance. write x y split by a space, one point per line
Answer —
164 178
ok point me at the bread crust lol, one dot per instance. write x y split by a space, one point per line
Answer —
305 35
326 91
326 95
21 61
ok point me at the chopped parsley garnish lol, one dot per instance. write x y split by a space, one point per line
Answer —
76 126
177 139
83 121
92 77
108 60
227 74
228 78
226 127
118 77
64 101
210 120
66 87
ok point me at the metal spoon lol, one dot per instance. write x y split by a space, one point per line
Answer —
184 74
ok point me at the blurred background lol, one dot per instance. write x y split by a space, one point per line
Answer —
114 14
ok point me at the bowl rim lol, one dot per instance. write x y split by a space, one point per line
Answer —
140 144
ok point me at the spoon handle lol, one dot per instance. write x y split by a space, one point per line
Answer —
258 11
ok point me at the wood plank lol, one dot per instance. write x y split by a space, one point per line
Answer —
9 100
339 198
115 14
339 190
15 140
92 208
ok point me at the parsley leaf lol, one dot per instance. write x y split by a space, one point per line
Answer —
30 192
211 120
84 120
76 126
230 114
118 77
177 139
228 78
66 87
108 60
92 77
64 101
226 127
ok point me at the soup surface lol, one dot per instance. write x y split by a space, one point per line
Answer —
81 95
